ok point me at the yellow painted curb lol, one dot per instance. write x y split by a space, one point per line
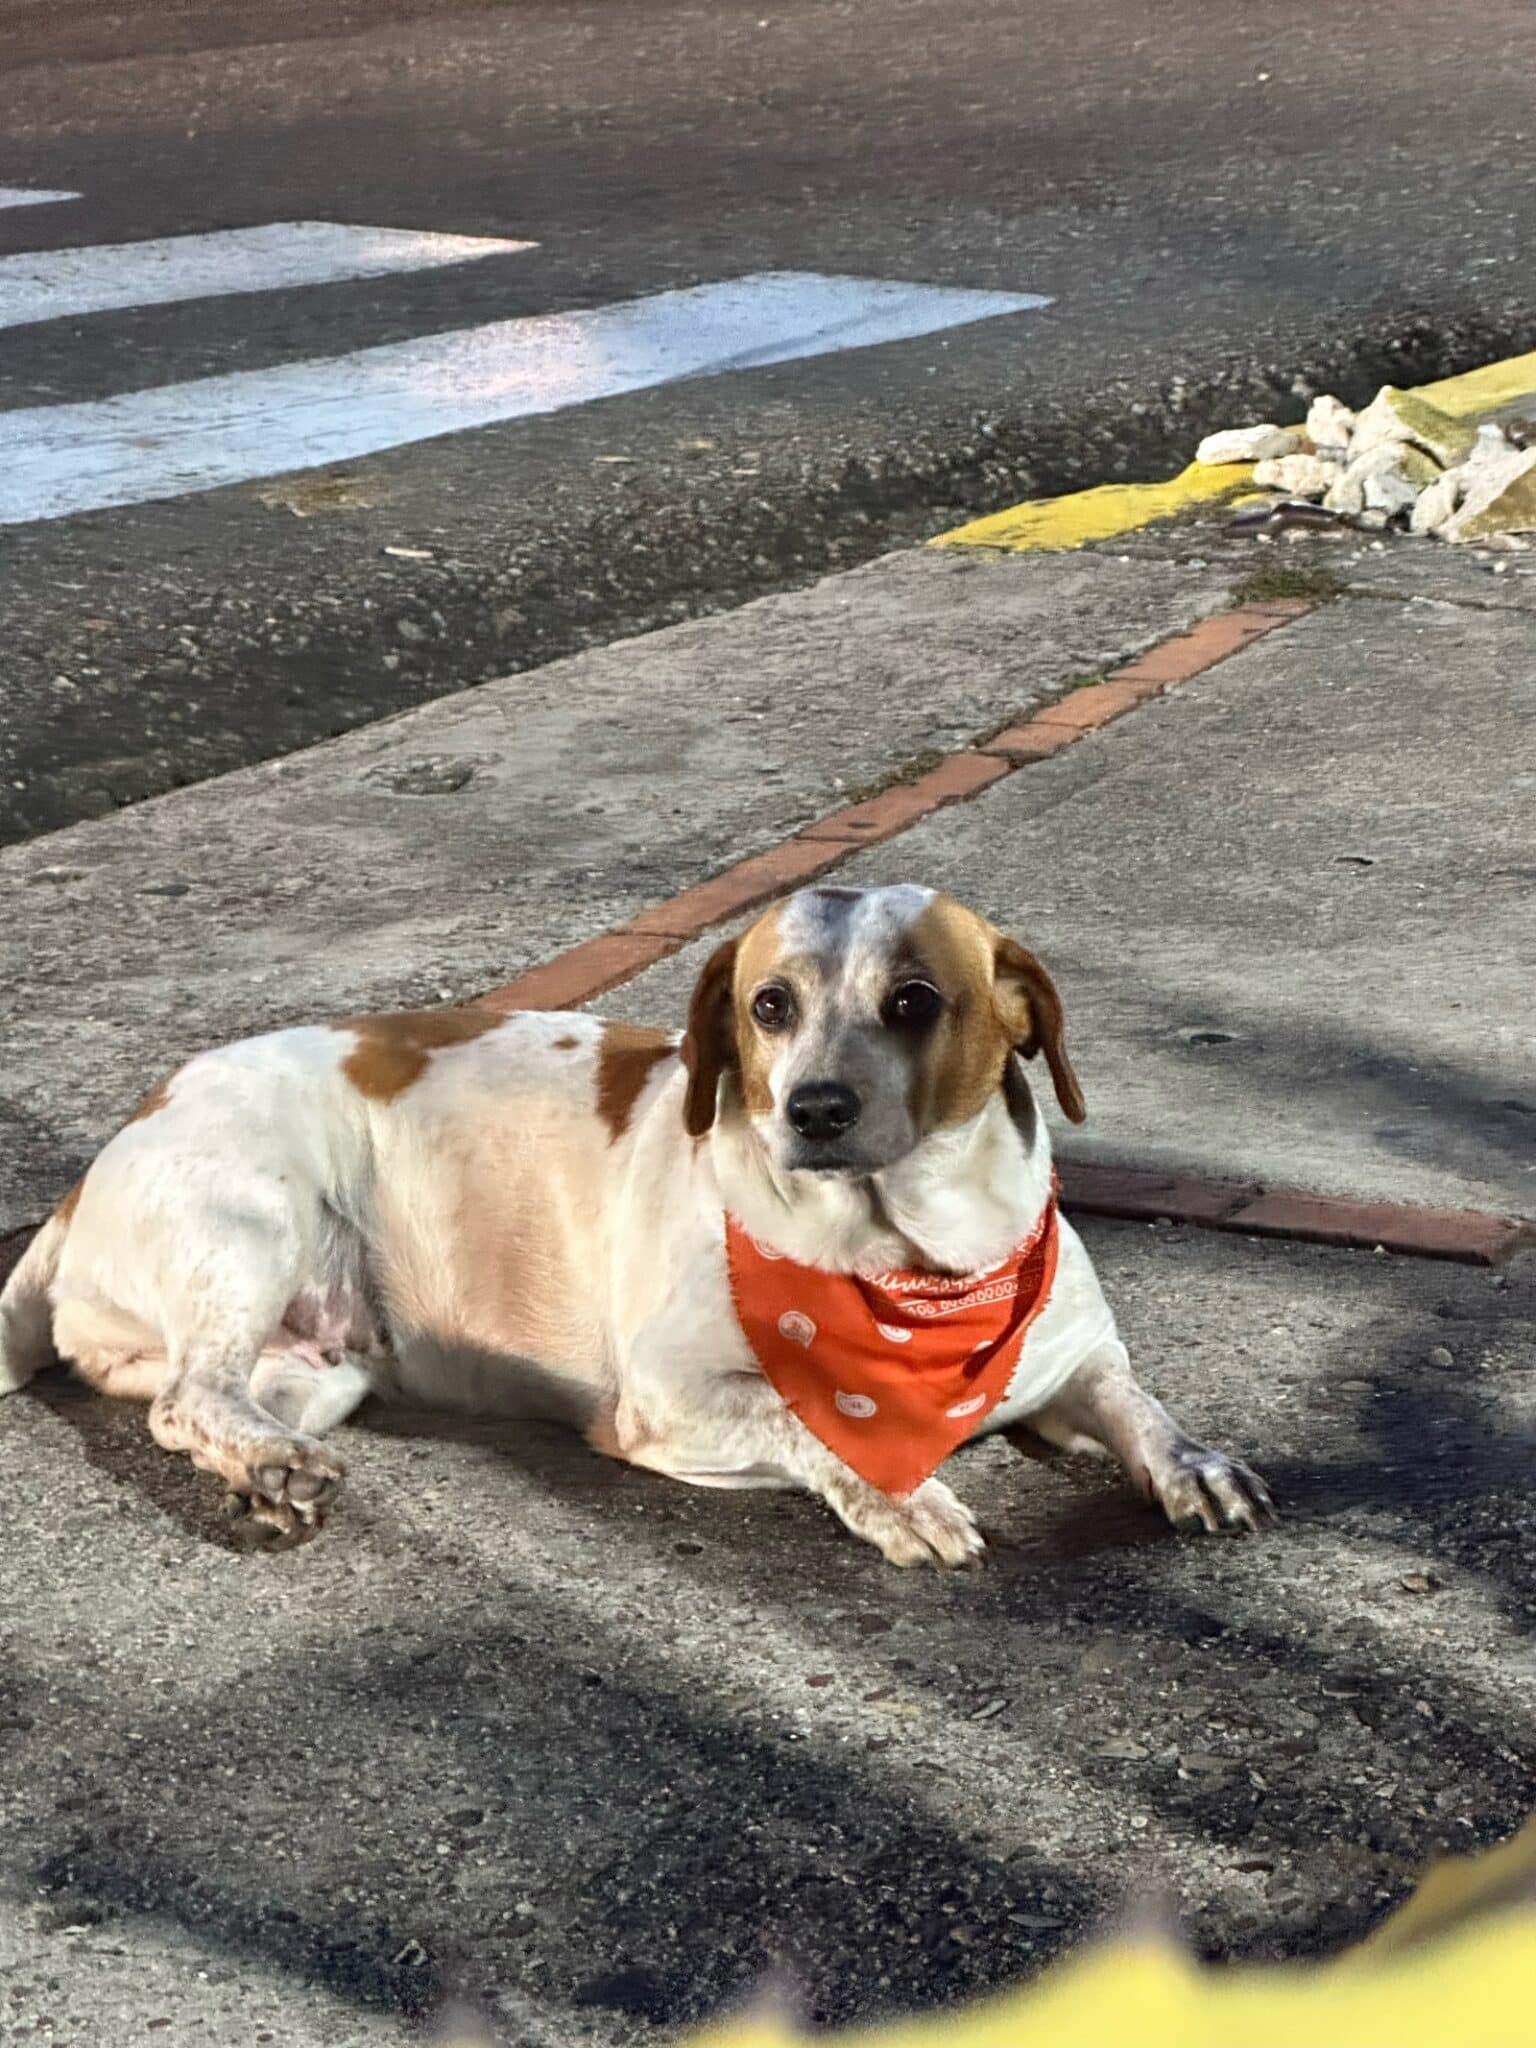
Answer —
1099 514
1485 390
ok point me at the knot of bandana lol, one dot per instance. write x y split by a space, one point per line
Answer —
895 1371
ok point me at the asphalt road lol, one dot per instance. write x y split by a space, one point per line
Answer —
1219 201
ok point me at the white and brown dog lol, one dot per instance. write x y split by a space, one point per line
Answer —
814 1242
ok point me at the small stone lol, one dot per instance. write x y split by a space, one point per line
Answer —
1440 1356
434 776
1389 491
1346 494
821 1678
1437 502
1299 476
1248 444
1329 423
1500 498
1491 443
1394 415
1421 1582
1121 1749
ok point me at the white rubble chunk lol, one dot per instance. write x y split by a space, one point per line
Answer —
1346 493
1389 491
1330 423
1500 498
1394 415
1385 478
1299 476
1491 444
1248 444
1437 502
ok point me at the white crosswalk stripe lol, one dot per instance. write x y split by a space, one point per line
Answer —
66 283
164 442
22 195
171 439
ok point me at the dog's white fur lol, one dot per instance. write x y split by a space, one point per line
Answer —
388 1207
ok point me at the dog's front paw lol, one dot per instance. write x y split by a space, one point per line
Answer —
1201 1489
289 1487
929 1526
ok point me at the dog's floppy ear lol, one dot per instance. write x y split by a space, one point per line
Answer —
709 1044
1030 1008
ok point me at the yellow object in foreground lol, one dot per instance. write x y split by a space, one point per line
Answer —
1453 1968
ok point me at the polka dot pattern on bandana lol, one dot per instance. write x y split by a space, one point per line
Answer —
892 1371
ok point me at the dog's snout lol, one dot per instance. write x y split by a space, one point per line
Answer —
823 1109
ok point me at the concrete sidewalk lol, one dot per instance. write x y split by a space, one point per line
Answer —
1289 905
597 1753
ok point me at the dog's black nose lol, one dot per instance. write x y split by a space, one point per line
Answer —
823 1109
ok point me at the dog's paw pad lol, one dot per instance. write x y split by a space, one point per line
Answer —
290 1488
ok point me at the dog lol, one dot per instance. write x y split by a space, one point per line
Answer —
813 1241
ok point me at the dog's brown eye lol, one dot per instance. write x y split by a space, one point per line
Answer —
773 1007
914 1004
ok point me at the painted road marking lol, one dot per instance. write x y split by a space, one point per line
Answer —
19 195
60 284
227 430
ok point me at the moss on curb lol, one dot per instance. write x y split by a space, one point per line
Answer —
1269 580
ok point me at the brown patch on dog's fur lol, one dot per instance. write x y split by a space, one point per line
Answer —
392 1050
566 1044
1021 978
1001 1000
963 1059
157 1098
626 1055
71 1202
759 959
709 1043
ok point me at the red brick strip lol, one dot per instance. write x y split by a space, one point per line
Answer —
576 976
1468 1237
600 964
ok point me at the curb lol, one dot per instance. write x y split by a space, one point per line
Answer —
1465 1236
1081 517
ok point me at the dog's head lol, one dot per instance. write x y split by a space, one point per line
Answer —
848 1024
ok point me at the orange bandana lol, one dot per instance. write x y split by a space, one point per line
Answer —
891 1373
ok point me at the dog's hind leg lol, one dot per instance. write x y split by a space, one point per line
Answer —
231 1297
26 1310
310 1393
206 1409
